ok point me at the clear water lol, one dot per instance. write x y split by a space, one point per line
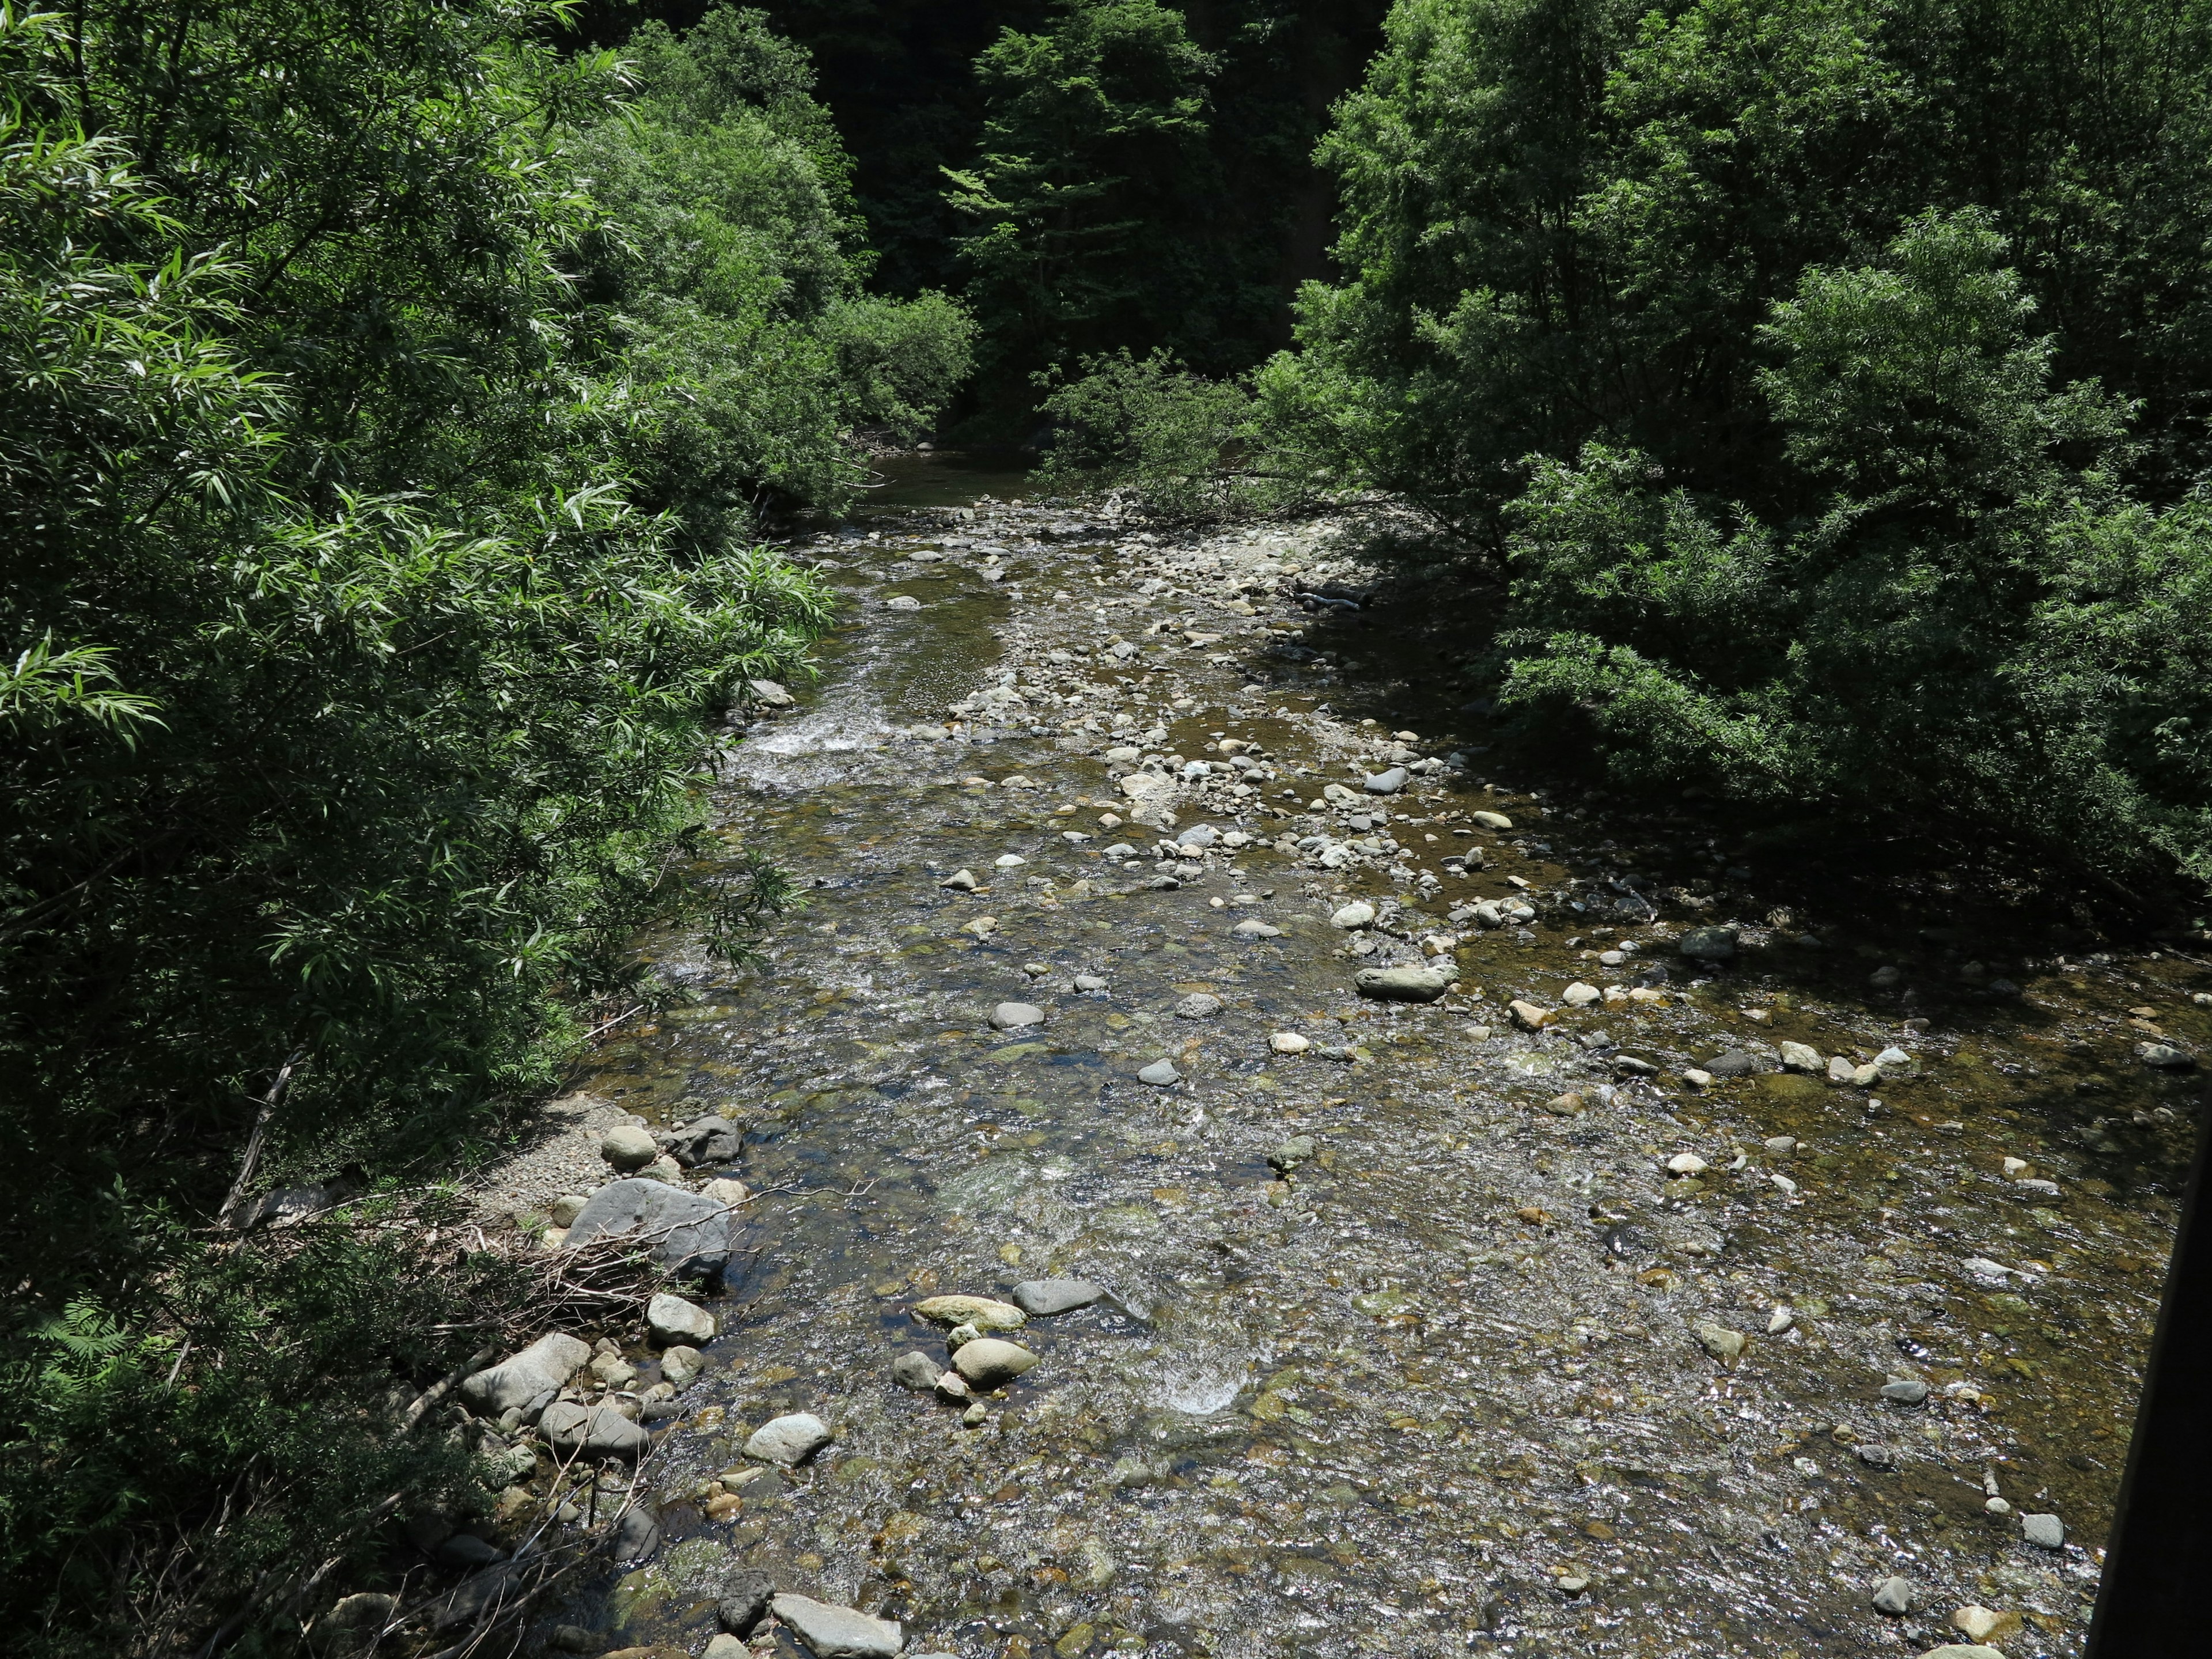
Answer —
1441 1392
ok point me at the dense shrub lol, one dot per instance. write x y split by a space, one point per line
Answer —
1828 375
382 408
1978 619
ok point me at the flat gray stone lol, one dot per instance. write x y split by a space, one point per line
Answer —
1707 943
1198 836
592 1431
836 1632
1012 1016
789 1440
1402 984
1256 929
688 1232
1734 1063
1905 1390
1160 1073
1042 1297
915 1371
2164 1057
1387 783
543 1367
1199 1005
670 1320
1893 1597
2044 1531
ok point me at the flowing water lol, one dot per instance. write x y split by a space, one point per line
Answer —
1458 1376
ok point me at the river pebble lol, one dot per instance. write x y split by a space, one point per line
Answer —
1893 1597
1043 1297
789 1440
989 1362
834 1633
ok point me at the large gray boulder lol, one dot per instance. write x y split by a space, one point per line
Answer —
543 1368
836 1632
704 1141
688 1233
592 1431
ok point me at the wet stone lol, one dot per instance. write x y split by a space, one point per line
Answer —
1893 1597
2044 1531
1297 1150
988 1362
789 1440
1709 944
916 1371
1041 1298
1199 1005
984 1313
743 1602
1403 984
1013 1016
1734 1063
834 1633
1905 1390
1160 1074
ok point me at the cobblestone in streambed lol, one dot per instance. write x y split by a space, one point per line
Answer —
1423 1349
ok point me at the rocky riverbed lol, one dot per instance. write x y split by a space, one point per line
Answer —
1500 1227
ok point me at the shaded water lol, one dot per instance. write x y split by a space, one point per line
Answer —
1442 1389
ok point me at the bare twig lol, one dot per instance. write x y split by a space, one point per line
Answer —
228 1215
444 1386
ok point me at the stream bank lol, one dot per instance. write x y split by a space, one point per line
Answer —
1619 1300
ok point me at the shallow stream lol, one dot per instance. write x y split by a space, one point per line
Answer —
1442 1387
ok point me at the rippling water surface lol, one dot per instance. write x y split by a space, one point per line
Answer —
1443 1390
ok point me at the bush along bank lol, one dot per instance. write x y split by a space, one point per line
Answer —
378 572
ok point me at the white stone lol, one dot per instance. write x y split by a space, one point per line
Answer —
543 1367
789 1440
671 1320
836 1632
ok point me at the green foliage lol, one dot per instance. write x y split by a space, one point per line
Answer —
730 275
1978 621
1567 220
380 405
1095 131
1150 426
1712 319
1179 445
